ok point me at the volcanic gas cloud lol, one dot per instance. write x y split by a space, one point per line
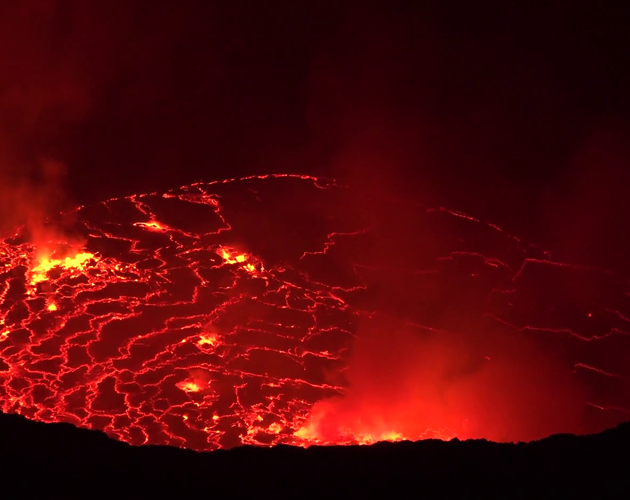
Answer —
289 309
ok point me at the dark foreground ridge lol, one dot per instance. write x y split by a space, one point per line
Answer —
69 460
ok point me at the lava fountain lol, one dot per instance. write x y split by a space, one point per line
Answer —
289 309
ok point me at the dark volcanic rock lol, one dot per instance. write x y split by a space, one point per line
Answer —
63 458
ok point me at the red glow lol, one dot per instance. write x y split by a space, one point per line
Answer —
184 321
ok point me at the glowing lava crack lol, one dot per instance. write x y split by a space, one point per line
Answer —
287 309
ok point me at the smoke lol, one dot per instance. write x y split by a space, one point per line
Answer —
58 61
418 105
477 385
44 90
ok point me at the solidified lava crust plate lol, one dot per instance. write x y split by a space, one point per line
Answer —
220 314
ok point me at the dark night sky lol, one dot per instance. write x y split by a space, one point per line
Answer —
518 114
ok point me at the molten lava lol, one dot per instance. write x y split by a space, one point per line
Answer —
45 264
288 309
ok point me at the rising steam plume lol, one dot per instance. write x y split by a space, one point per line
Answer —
44 90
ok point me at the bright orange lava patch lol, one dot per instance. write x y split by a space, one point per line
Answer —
44 265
